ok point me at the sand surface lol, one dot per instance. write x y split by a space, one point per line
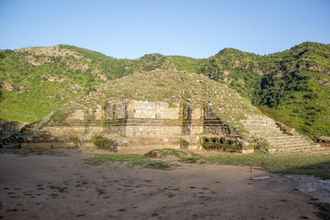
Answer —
50 187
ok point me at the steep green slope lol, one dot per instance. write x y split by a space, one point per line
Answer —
291 86
36 81
297 90
240 70
28 94
113 68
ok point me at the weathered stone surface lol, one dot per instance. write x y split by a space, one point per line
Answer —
141 123
153 131
152 110
7 86
278 139
324 139
77 115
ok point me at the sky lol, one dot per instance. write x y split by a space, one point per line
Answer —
196 28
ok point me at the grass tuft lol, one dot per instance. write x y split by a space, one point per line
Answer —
132 160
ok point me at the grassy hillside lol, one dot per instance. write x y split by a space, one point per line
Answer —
36 81
240 70
291 86
297 90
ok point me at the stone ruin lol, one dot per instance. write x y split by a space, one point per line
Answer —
144 123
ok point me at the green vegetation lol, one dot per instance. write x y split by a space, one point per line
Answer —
297 91
187 64
113 68
316 164
240 70
222 143
259 145
105 143
37 90
292 86
132 160
174 154
155 159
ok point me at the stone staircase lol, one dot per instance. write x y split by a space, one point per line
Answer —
266 128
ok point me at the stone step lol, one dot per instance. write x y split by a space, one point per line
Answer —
259 121
283 141
263 131
286 137
260 129
266 128
297 150
291 145
261 125
290 142
298 146
270 126
267 135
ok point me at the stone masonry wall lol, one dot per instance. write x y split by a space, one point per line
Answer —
152 110
153 131
141 122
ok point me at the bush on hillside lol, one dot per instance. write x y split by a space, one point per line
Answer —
260 145
105 143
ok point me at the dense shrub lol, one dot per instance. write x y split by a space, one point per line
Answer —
105 143
273 88
260 145
221 143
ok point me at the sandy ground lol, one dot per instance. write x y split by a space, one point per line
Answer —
64 187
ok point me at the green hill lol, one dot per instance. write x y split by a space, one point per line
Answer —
297 90
291 86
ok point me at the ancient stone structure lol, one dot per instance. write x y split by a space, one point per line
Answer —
144 123
161 124
279 140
